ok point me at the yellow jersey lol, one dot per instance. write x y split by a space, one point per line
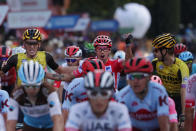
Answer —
174 76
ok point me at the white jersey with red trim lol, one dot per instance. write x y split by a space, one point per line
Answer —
4 98
144 113
81 118
191 92
115 66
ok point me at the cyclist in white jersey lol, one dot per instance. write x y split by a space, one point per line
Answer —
75 92
37 99
190 116
4 106
147 101
98 113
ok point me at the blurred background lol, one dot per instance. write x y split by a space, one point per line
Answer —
78 22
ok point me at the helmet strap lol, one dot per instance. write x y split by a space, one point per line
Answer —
163 55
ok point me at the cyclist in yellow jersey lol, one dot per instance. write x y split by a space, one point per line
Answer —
32 42
173 72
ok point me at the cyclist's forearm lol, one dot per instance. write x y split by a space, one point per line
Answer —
58 123
188 119
11 125
59 77
182 93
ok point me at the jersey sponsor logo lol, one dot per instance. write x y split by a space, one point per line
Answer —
98 126
161 67
23 60
4 103
144 115
36 111
163 100
68 96
82 99
134 103
76 85
108 68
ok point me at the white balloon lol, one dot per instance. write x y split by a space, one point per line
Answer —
135 16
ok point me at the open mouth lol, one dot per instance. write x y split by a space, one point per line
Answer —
102 56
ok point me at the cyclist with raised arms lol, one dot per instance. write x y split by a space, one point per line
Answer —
37 99
188 58
173 72
32 42
147 101
99 113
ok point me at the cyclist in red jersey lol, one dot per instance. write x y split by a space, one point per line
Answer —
9 78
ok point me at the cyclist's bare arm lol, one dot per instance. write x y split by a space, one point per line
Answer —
65 115
65 70
163 123
58 123
128 50
173 126
182 93
11 125
60 77
188 119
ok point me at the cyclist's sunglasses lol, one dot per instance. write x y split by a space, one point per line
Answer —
4 58
31 42
72 60
139 76
104 94
28 87
102 48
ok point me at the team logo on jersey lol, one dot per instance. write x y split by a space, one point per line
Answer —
11 108
108 68
134 103
23 60
144 115
185 78
51 104
161 67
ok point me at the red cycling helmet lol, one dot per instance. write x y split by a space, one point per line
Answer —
179 48
156 79
73 51
138 65
5 51
102 40
92 64
99 79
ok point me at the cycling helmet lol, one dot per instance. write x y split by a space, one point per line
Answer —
179 48
88 47
119 55
92 64
164 41
102 40
5 51
73 51
186 56
156 79
32 34
99 79
17 50
138 65
31 73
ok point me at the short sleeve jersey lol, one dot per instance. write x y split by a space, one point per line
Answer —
81 118
4 98
144 113
74 93
173 77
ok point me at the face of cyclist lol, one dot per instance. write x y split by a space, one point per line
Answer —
72 61
157 53
138 81
99 101
31 47
103 53
32 91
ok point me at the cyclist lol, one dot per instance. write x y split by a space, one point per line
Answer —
32 42
172 71
172 109
147 101
9 78
188 58
89 50
119 55
190 116
75 92
4 106
37 99
98 113
178 48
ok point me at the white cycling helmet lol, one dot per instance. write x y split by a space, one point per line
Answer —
119 55
31 73
73 51
17 50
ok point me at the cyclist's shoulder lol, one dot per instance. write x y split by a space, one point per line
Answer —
75 84
116 106
123 93
4 93
82 106
156 89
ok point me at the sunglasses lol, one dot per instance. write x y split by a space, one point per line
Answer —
31 43
102 48
4 58
139 76
104 94
28 87
71 60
